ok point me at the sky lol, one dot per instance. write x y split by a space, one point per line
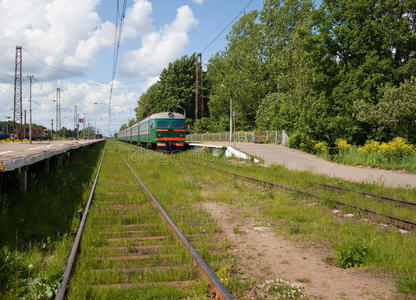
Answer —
68 44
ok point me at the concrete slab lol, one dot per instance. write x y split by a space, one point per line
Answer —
17 155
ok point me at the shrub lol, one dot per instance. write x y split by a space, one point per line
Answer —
351 254
321 147
342 144
396 149
300 140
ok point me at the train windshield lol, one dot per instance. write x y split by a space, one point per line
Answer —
162 124
178 124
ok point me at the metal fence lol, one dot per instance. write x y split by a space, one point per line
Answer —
270 137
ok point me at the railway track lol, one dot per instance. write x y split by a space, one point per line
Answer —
393 220
371 195
131 248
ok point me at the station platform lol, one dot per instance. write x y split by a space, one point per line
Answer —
14 156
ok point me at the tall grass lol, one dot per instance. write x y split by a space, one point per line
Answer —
36 228
395 155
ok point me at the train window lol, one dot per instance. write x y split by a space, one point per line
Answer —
178 124
162 124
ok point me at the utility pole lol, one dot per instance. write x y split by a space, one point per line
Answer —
18 112
231 115
24 131
199 92
30 108
7 124
52 130
84 125
58 109
75 121
77 126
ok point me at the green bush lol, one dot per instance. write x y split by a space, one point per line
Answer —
300 140
351 254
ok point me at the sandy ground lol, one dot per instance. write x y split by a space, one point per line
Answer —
301 161
263 255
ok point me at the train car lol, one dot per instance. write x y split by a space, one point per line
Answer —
38 133
4 136
165 130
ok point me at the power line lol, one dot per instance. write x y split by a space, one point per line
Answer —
229 24
117 41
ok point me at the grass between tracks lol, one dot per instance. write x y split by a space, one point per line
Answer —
179 193
113 252
36 228
349 242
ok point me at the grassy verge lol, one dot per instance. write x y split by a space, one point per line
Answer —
310 182
36 228
397 154
355 157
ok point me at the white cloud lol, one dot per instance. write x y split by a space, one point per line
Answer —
198 1
138 21
159 47
67 34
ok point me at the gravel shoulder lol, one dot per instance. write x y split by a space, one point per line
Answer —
301 161
263 255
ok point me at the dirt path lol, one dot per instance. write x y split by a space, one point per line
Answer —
301 161
262 255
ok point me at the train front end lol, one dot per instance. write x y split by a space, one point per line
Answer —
170 132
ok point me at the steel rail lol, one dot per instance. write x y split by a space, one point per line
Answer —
386 198
221 292
63 286
398 222
341 188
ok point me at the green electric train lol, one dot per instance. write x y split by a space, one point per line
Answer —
165 130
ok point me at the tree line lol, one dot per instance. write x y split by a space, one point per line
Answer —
345 69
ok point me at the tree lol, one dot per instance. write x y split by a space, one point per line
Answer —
394 114
176 87
239 69
124 126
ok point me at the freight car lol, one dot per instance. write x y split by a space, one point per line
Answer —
165 130
38 133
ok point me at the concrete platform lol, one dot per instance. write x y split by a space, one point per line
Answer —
17 155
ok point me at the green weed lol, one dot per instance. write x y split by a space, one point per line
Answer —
351 254
406 284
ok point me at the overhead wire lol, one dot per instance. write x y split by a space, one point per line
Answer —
117 41
228 25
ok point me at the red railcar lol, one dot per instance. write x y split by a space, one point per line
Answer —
38 133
